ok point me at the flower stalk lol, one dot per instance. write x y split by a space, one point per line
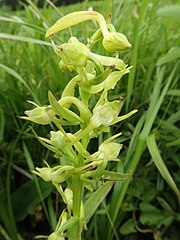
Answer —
95 75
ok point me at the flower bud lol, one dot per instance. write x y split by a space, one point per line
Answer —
114 41
69 197
40 115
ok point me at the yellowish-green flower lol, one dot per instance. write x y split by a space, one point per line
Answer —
40 115
55 175
74 54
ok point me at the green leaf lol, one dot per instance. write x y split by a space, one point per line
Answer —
63 112
153 149
128 227
173 143
174 117
95 199
151 215
165 205
26 197
5 215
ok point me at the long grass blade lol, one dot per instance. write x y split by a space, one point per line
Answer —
134 61
154 151
20 21
23 39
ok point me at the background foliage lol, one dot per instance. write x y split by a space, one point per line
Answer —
147 207
17 4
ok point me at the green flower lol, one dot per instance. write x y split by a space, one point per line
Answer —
109 151
56 175
103 114
73 53
40 115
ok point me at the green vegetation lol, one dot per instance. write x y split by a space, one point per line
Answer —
147 207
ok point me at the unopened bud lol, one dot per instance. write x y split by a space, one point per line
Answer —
69 197
115 41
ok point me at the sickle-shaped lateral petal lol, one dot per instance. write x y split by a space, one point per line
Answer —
74 18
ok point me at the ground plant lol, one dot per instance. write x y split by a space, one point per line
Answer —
96 75
146 204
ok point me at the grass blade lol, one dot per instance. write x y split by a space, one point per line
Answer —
20 21
23 39
172 55
141 142
153 149
19 78
134 58
172 11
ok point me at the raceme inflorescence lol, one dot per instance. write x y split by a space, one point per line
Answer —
94 76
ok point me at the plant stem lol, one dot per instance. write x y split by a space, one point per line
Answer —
75 231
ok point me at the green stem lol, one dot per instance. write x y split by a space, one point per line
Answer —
83 80
76 230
